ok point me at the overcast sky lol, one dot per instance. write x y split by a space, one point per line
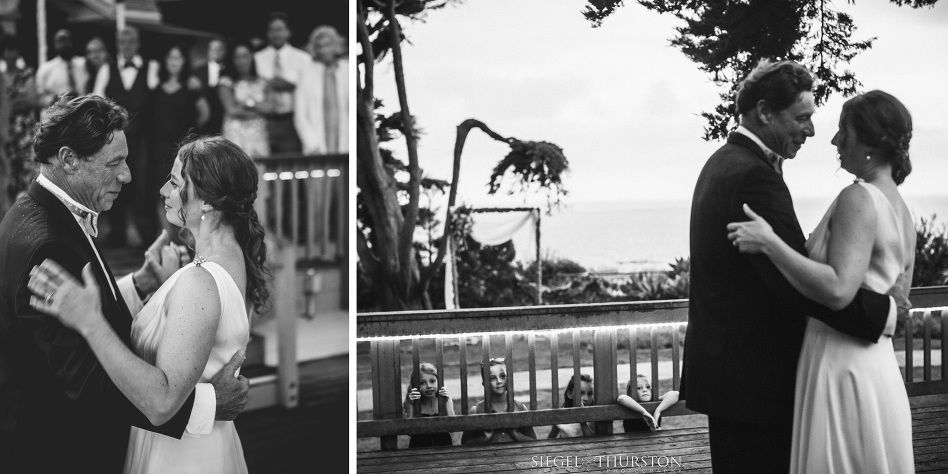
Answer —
624 104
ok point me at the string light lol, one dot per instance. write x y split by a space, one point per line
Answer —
557 331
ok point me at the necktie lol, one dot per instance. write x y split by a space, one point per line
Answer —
277 67
331 109
89 220
776 161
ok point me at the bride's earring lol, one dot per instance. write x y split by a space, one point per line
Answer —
203 214
867 157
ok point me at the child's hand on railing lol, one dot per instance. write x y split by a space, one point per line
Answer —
650 421
414 394
443 392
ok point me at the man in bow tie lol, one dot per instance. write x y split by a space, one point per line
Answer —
128 81
745 320
59 411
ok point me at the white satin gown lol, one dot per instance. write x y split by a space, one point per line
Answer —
220 451
851 412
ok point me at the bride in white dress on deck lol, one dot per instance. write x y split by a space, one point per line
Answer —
851 411
196 320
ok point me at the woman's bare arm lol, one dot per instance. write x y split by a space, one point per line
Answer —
833 284
159 390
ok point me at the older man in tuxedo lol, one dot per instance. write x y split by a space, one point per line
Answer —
59 411
745 320
128 81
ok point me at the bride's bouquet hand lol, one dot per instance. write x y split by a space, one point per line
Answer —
75 304
753 236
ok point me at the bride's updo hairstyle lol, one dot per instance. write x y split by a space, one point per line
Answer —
882 122
226 179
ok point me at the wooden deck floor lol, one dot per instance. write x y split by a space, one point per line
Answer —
682 450
308 438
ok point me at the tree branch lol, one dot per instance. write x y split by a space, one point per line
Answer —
363 34
464 128
405 248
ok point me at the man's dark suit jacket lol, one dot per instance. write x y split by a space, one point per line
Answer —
59 411
745 320
216 120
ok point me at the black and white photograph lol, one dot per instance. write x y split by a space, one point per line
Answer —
174 257
649 236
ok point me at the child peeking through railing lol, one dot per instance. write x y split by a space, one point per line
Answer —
642 393
422 401
571 430
496 373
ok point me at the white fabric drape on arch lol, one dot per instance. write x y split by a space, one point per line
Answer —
495 228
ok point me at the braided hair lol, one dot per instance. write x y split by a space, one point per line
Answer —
882 122
226 179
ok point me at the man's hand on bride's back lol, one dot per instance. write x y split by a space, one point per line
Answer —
899 292
231 390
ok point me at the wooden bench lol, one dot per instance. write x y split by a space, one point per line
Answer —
519 334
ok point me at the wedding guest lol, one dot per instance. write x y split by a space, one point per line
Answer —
246 100
643 393
572 430
422 401
322 95
20 91
173 109
97 55
128 81
209 75
281 65
65 72
496 373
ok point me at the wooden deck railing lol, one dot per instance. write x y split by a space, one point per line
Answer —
527 329
303 200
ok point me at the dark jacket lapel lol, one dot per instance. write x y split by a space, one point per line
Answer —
743 141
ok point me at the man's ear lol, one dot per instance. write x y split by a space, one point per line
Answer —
764 112
68 158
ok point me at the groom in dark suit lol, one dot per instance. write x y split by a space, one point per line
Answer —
59 411
745 320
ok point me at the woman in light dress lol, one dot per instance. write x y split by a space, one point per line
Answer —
851 412
247 100
195 321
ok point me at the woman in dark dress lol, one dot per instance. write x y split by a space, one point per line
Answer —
422 401
175 107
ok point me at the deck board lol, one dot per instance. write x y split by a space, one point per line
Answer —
309 438
689 447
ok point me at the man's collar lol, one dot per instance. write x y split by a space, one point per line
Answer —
773 157
70 203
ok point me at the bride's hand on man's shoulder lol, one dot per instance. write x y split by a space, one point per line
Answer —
57 293
751 236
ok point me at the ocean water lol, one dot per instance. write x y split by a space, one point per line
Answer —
629 237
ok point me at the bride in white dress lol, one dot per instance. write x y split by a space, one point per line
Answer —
851 411
197 319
